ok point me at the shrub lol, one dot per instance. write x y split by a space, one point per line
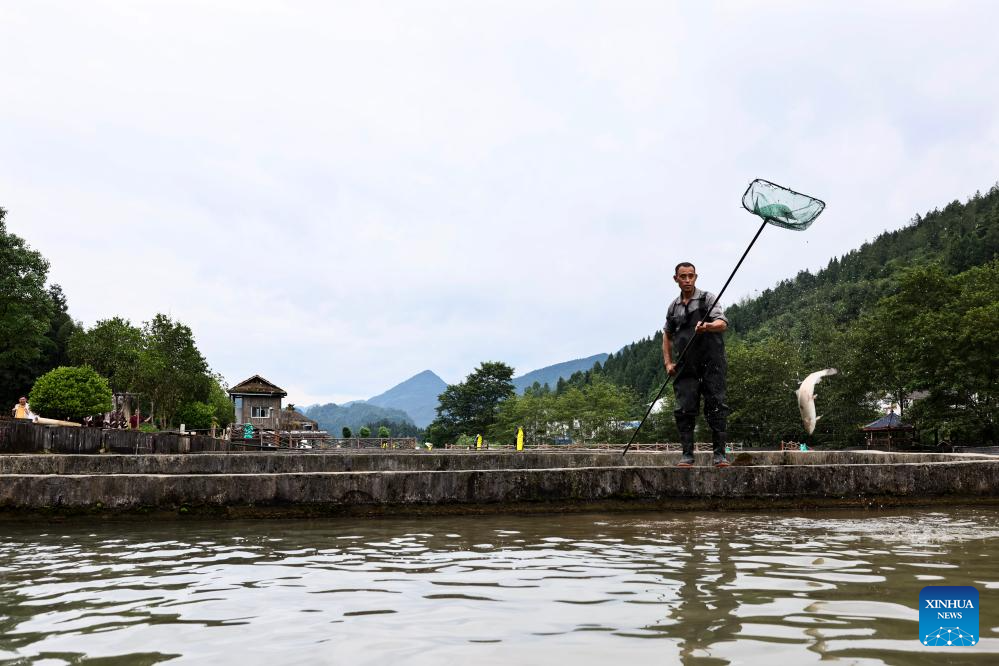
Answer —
70 392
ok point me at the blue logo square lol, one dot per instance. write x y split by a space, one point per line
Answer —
948 616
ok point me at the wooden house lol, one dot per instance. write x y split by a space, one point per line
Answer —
258 401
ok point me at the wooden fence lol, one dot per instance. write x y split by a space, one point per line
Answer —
21 436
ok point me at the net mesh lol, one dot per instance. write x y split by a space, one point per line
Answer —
781 206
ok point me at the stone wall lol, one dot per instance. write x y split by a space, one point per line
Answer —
291 483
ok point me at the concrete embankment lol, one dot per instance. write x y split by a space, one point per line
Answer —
389 482
286 462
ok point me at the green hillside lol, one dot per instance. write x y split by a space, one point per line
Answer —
551 374
856 315
958 237
333 418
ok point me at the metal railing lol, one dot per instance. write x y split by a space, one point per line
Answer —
323 442
596 446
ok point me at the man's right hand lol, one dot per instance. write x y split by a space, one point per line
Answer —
671 369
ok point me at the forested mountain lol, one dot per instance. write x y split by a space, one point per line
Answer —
852 315
418 395
551 374
958 237
333 418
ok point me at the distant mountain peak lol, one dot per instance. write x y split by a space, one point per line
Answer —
417 396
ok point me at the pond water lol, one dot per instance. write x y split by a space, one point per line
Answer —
707 588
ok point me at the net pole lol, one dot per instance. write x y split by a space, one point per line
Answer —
683 352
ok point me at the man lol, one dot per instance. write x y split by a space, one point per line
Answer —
701 372
22 410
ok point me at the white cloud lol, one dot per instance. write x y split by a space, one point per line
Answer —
340 196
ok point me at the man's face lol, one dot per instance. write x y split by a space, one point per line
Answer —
686 278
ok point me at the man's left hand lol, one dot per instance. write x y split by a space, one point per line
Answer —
703 327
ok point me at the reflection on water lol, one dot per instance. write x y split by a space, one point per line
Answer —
590 589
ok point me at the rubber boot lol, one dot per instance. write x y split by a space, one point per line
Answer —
687 444
718 448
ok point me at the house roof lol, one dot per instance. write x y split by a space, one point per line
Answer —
889 421
257 385
295 416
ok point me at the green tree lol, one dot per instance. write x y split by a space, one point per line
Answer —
396 428
223 411
70 393
593 411
113 348
171 369
762 379
875 364
471 406
61 329
534 412
196 415
949 350
365 431
599 411
384 432
26 313
347 434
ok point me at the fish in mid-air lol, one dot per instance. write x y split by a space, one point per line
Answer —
806 397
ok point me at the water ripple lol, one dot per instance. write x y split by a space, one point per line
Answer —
739 588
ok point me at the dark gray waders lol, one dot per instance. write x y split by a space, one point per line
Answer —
701 375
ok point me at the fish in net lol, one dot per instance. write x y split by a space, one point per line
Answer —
781 206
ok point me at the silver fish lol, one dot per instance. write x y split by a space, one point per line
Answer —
775 210
806 397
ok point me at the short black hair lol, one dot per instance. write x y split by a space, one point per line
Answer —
676 271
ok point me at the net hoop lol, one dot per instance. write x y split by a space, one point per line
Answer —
781 206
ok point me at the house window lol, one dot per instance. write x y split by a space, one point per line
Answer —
259 412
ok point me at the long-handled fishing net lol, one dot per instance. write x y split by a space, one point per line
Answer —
775 205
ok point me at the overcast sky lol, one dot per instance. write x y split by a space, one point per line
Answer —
338 195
